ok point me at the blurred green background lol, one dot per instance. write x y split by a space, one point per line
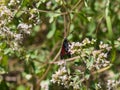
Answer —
24 58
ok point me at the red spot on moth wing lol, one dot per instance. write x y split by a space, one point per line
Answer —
63 52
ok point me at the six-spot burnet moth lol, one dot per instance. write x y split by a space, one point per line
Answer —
65 49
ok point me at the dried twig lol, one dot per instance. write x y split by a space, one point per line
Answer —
76 5
101 70
67 60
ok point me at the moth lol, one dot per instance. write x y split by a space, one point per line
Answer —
65 49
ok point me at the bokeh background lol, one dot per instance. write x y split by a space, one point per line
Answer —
32 32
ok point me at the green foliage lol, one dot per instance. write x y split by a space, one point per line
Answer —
31 35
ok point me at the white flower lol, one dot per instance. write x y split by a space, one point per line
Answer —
18 37
104 46
99 85
64 78
44 85
78 44
61 62
5 11
28 76
86 41
5 15
118 39
15 46
61 77
13 2
24 27
96 52
76 86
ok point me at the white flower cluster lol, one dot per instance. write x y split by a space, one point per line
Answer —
91 59
100 59
86 51
100 56
61 77
5 15
111 84
104 46
13 2
44 85
75 85
34 16
24 28
5 32
15 38
77 46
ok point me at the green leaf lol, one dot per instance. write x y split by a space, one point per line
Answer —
52 31
91 28
38 4
109 26
87 74
90 62
18 14
51 19
108 20
4 62
36 28
86 3
21 87
113 55
33 65
2 45
24 3
8 51
3 86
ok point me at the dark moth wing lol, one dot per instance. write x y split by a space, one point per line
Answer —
65 49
